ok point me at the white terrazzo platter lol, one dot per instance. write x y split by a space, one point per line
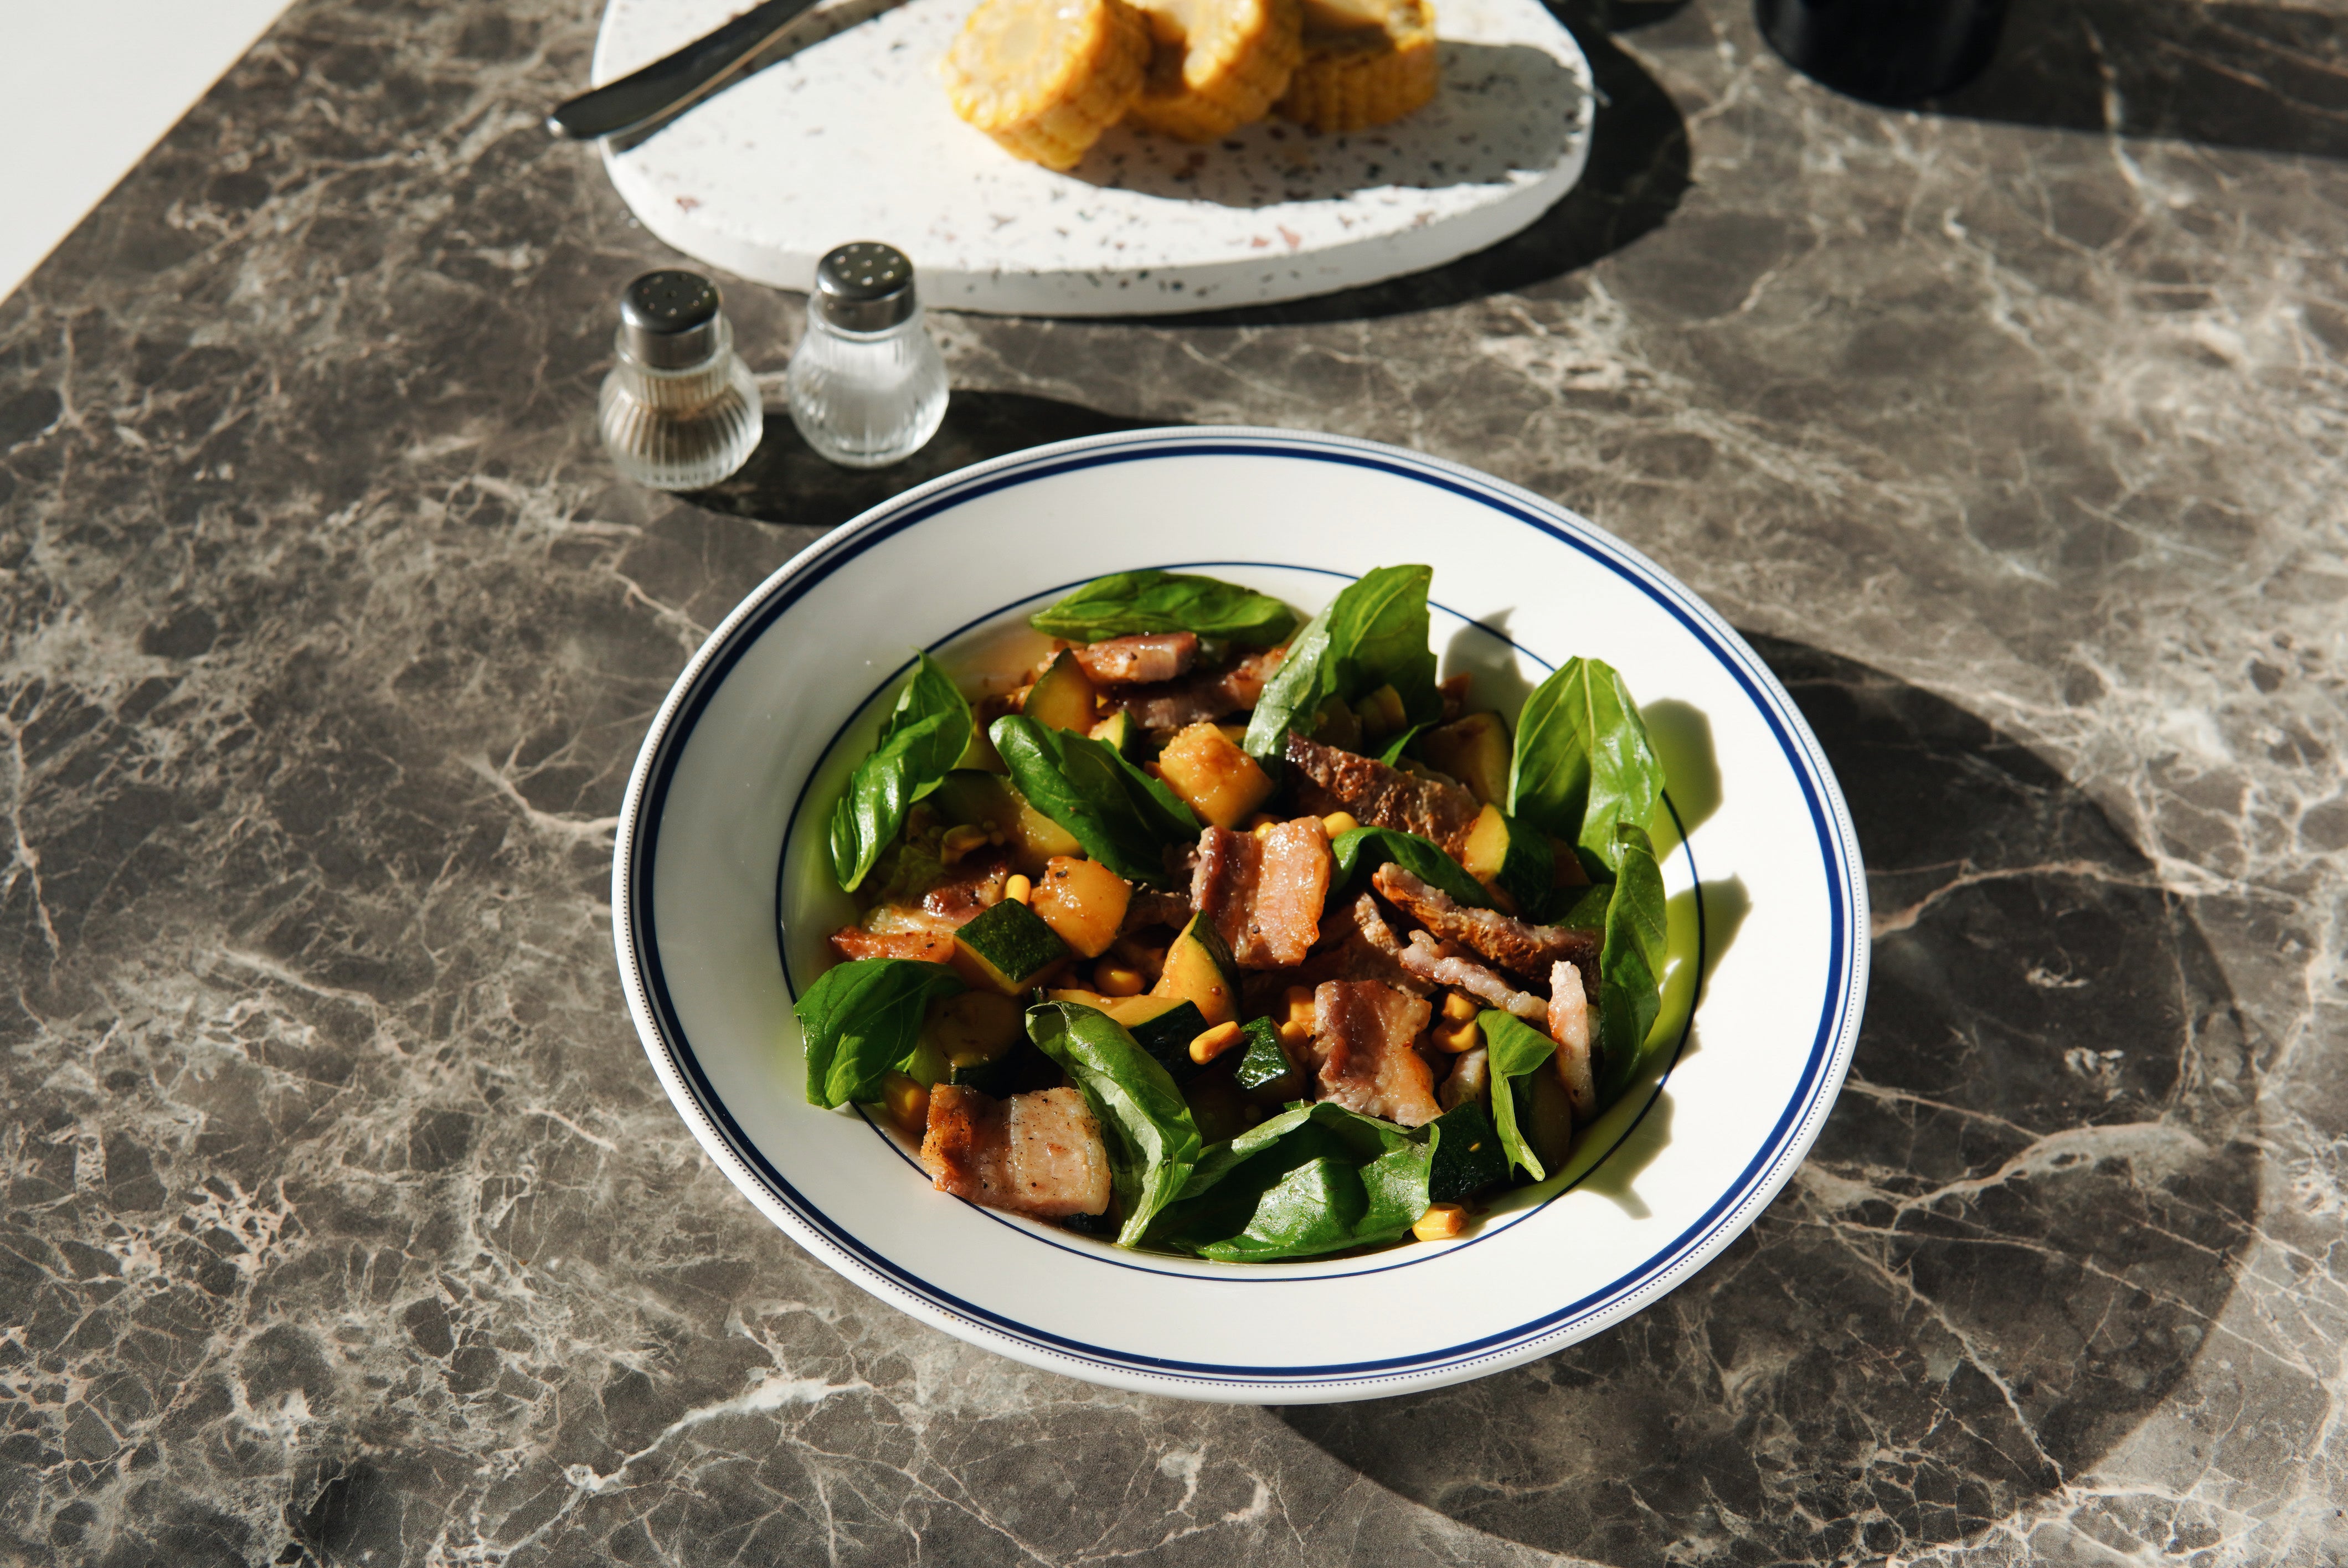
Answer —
850 138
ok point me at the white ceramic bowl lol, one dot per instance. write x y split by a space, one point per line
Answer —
723 831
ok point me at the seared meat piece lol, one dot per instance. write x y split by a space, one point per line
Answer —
1357 944
1570 1025
930 946
1146 656
1471 1079
1524 949
1038 1153
1364 1043
1441 964
968 888
1150 908
1163 706
1330 780
1264 894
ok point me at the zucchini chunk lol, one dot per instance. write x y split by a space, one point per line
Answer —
1213 777
1265 1074
989 801
1081 900
1468 1154
1063 697
1010 947
1162 1026
1199 969
1503 853
1475 750
1119 734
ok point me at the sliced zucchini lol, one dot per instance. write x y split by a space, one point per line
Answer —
1119 733
1216 1107
973 1028
1468 1154
1083 901
1475 750
1265 1074
1165 1033
1199 968
1010 947
1017 1070
1381 714
1213 777
1547 1122
969 795
1063 697
1503 853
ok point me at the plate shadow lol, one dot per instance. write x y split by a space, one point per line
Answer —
1946 1314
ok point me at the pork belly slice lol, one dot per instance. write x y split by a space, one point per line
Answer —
1569 1024
1442 964
1365 1048
969 888
1524 949
932 947
1148 908
1038 1153
1471 1079
1264 894
1144 657
1168 706
1331 780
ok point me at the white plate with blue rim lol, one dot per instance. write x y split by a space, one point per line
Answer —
722 900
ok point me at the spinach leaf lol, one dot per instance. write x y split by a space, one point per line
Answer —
1582 761
1314 1179
925 735
1513 1048
1123 817
1372 633
1392 755
1151 600
1360 852
1152 1141
1630 962
863 1021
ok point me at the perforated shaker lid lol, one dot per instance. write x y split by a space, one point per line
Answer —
670 319
866 287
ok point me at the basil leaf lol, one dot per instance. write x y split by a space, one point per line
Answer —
1630 962
1513 1048
863 1021
1360 852
925 735
1126 602
1152 1141
1392 755
1582 761
1373 634
1314 1179
1123 817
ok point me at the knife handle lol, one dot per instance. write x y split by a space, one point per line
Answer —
672 82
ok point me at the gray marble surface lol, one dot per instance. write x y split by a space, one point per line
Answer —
346 1224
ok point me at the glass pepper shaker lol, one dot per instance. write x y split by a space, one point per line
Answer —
868 386
680 410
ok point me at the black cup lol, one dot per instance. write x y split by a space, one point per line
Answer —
1885 51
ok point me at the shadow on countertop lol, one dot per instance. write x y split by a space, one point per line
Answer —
2003 1251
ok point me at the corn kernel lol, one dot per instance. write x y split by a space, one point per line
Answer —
1018 889
1441 1221
1338 823
1300 1005
1295 1033
1112 978
1456 1038
906 1102
1263 830
959 842
1212 1043
1458 1007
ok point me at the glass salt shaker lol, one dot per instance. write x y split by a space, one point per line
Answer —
680 410
868 386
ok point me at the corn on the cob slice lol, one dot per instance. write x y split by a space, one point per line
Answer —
1045 78
1366 63
1217 64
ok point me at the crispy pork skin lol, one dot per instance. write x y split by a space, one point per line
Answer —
1524 949
1143 657
1038 1153
1330 780
1365 1046
1264 894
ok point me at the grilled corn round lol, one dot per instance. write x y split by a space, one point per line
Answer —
1366 63
1215 64
1045 78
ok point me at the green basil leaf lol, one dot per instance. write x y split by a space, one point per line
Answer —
1359 853
1630 962
924 737
1123 817
1126 602
1512 1050
1373 634
863 1021
1582 761
1152 1141
1392 755
1314 1179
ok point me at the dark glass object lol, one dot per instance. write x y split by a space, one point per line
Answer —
1885 51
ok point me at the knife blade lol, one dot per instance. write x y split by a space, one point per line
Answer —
675 80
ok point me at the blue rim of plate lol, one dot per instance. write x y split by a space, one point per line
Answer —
636 942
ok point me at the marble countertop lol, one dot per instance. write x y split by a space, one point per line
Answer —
346 1222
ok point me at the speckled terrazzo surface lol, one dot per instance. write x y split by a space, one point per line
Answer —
346 1224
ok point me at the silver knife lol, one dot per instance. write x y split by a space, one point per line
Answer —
669 84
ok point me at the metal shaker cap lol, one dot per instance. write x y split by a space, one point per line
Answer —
866 287
669 320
